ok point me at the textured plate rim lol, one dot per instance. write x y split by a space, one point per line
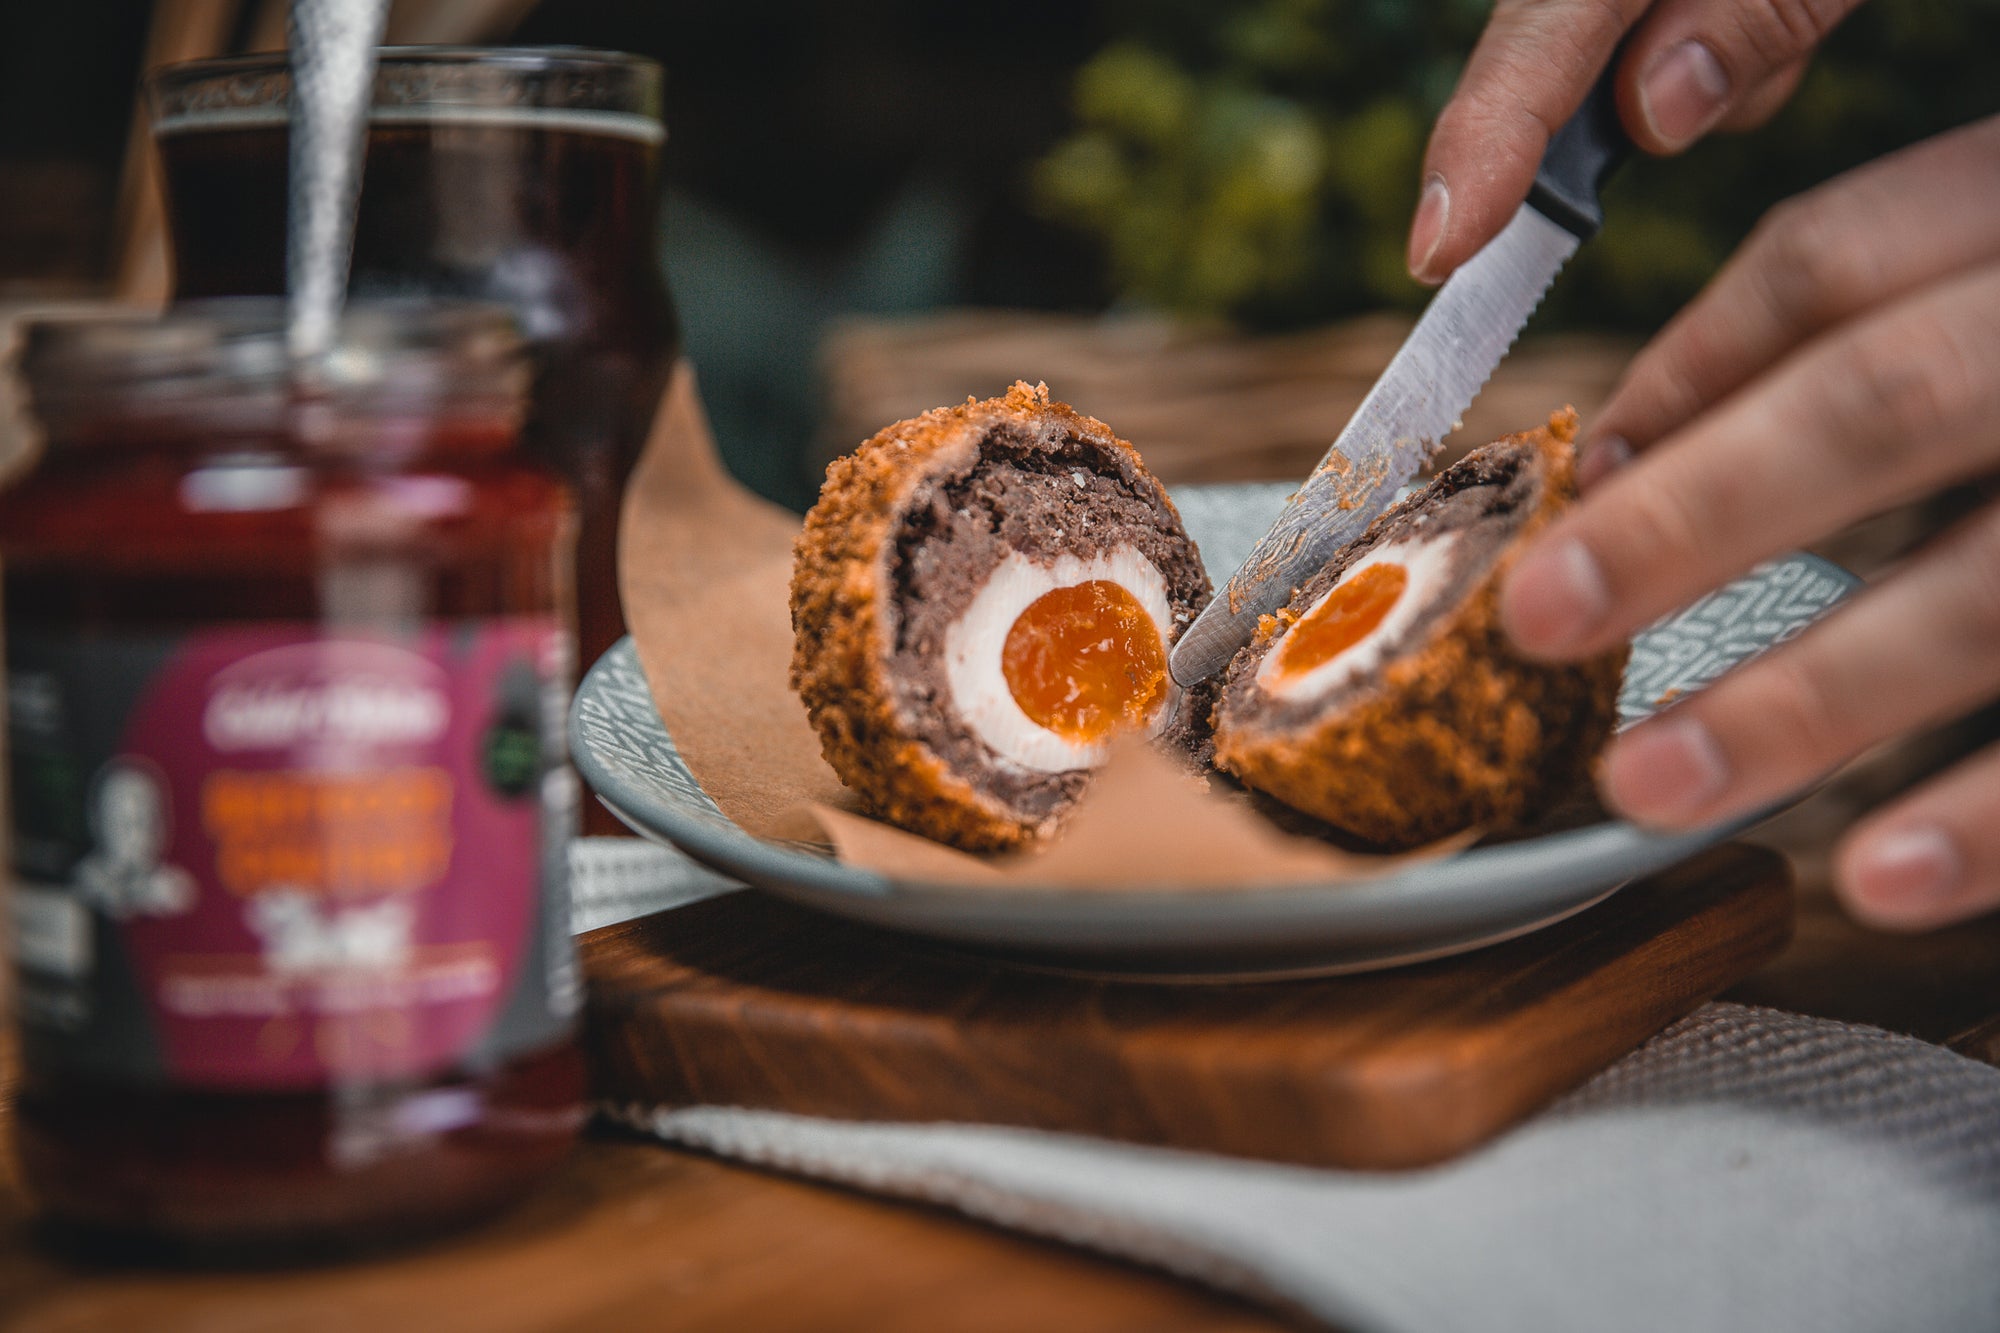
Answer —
1102 919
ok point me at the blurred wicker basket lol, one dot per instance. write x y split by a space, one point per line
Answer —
1202 404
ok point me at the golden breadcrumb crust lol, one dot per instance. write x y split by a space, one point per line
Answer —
1463 733
843 626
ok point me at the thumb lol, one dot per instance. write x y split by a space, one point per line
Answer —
1693 63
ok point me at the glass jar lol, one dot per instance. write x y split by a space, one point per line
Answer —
285 686
523 176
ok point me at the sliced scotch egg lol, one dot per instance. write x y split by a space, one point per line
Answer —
981 599
1386 701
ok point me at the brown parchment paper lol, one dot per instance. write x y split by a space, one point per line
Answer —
705 571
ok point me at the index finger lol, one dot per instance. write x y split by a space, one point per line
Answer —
1532 68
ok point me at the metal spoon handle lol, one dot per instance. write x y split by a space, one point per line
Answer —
333 74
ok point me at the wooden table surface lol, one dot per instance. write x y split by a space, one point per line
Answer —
634 1235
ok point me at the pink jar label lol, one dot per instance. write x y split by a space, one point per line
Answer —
276 858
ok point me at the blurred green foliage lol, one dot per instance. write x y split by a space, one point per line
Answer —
1259 159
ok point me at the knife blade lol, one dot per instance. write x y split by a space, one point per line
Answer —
1433 378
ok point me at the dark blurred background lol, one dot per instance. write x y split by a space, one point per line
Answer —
1244 167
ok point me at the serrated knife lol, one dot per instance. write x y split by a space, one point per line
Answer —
1446 360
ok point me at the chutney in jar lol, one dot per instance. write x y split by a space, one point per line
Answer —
285 682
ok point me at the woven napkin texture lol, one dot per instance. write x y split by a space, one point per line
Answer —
616 879
1747 1169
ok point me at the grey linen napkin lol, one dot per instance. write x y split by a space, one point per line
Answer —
1747 1169
616 879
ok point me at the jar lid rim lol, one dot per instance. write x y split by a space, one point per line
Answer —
526 58
387 347
576 88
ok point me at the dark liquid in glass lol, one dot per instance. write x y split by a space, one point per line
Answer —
550 213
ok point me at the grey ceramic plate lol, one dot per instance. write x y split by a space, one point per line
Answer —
1477 897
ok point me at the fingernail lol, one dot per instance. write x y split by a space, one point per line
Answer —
1905 876
1427 228
1601 457
1666 772
1555 598
1683 93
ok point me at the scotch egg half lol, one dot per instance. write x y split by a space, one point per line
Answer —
981 599
1388 702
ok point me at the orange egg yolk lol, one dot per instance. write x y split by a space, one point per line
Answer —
1084 660
1348 615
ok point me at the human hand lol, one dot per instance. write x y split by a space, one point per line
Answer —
1846 360
1690 66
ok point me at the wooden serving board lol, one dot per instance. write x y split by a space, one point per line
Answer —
748 1001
